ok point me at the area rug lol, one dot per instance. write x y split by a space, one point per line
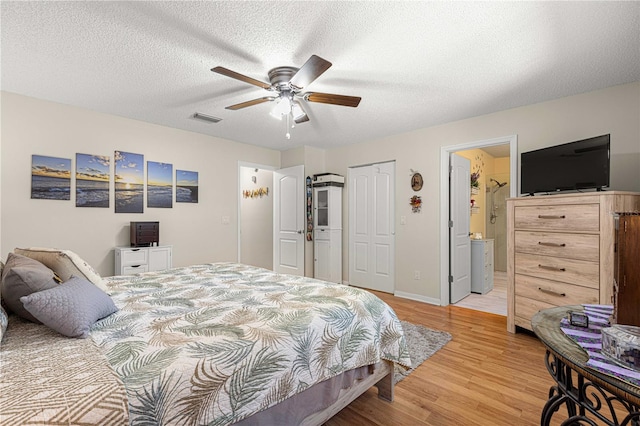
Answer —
423 342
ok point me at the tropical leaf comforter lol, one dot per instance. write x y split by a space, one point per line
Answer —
217 343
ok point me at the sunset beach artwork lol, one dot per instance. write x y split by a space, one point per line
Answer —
92 180
129 182
50 178
186 186
159 185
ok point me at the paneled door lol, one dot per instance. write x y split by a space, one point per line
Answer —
372 226
459 223
289 220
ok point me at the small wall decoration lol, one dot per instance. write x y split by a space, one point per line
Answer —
92 180
255 193
186 186
50 178
159 185
416 181
129 180
416 203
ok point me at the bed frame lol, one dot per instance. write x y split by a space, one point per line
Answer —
381 377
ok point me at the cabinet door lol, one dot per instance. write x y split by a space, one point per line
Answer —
322 253
159 258
322 207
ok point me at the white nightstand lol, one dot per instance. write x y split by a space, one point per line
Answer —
133 260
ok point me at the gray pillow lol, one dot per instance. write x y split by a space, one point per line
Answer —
22 276
71 308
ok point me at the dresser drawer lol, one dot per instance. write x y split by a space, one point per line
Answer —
554 292
572 246
569 217
525 309
135 269
572 271
134 257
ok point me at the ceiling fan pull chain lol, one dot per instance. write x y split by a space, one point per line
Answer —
288 135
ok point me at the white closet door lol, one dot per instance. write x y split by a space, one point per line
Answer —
371 227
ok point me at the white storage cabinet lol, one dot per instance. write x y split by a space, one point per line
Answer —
481 266
327 232
133 260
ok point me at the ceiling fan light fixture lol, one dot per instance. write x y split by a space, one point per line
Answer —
296 111
283 107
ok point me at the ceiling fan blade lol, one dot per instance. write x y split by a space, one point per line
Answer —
312 69
251 103
238 76
328 98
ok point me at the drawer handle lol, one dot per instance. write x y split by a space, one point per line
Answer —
554 293
542 243
135 266
135 249
551 268
551 216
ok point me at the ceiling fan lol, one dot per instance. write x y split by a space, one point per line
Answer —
286 87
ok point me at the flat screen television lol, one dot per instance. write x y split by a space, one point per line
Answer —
571 166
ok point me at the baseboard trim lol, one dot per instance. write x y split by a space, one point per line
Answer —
417 298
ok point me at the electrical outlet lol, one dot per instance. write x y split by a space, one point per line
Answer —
225 220
416 275
403 220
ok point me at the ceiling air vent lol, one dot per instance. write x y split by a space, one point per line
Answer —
207 118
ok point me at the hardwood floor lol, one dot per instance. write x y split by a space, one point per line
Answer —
483 376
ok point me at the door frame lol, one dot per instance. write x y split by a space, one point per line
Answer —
445 153
242 164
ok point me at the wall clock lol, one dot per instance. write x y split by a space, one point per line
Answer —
416 182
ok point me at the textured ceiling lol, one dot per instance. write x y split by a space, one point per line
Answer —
415 64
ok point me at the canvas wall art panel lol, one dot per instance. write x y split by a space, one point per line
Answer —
50 178
129 182
186 186
159 185
92 180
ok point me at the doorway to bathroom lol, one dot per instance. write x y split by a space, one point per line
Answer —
493 169
490 186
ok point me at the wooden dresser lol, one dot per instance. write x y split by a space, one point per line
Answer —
560 251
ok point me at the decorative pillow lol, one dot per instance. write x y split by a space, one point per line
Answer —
71 308
65 263
4 321
22 276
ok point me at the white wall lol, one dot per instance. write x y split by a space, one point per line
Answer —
32 126
614 110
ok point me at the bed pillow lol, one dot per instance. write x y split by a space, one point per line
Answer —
65 263
22 276
4 321
71 308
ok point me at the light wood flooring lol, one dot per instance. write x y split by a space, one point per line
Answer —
494 301
483 376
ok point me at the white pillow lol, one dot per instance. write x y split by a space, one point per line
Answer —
65 263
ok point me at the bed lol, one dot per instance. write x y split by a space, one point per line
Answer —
225 343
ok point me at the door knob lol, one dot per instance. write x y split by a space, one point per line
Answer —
299 231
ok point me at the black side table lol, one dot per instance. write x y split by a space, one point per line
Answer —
591 398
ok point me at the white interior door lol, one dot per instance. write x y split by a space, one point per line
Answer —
289 220
459 223
371 226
